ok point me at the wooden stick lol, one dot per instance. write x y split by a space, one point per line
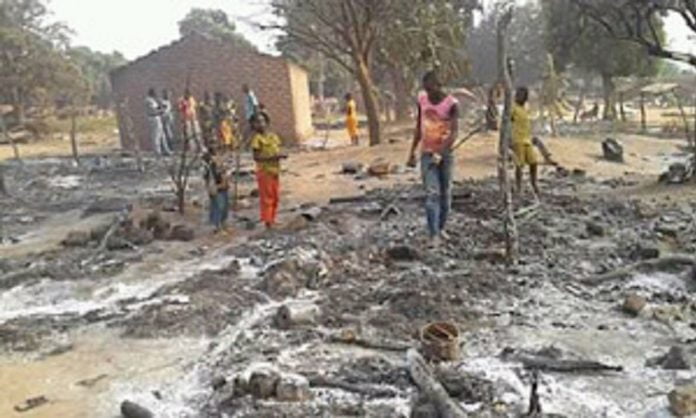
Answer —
431 387
565 366
656 263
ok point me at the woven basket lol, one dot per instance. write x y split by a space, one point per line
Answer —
440 341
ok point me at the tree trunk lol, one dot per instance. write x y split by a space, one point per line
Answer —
369 98
643 117
685 119
6 134
3 187
580 105
401 95
18 105
509 226
609 97
621 107
73 136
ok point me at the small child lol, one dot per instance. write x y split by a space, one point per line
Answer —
267 154
217 183
522 146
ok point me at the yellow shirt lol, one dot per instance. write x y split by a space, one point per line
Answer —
267 145
521 125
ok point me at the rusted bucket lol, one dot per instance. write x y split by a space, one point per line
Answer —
440 341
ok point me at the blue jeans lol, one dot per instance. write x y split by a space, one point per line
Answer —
219 208
437 179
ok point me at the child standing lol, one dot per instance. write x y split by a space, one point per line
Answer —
218 186
522 146
267 154
352 119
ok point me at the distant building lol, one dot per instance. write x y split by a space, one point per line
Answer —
211 65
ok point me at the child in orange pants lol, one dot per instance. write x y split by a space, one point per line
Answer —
267 154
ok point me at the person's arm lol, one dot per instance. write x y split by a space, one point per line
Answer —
416 139
454 128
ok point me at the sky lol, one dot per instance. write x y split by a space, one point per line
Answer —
135 27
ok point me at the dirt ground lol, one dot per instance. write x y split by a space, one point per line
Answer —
89 318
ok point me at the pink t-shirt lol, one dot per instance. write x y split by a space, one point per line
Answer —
436 122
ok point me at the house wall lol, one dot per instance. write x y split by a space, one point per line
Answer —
208 65
302 102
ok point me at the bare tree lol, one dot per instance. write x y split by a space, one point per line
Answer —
73 135
504 75
638 21
180 172
344 31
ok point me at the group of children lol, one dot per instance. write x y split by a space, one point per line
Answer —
267 153
212 127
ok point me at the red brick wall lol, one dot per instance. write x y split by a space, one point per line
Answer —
213 66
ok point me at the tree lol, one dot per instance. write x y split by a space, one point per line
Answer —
639 22
424 35
212 23
32 58
527 48
505 141
584 44
344 31
95 67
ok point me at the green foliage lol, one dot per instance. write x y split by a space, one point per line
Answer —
428 34
34 67
95 68
574 39
212 23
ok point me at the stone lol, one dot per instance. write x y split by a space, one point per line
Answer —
379 168
351 168
612 150
218 382
403 253
182 233
634 303
595 229
293 388
667 229
296 224
263 384
77 239
312 213
674 359
133 410
682 400
645 252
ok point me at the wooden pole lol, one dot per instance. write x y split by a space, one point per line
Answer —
73 135
505 142
643 117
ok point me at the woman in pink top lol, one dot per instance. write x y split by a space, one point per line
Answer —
437 127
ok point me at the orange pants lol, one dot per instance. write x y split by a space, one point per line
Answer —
269 195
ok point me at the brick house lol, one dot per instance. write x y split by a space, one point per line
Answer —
212 65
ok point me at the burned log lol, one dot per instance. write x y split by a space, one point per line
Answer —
431 387
289 316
